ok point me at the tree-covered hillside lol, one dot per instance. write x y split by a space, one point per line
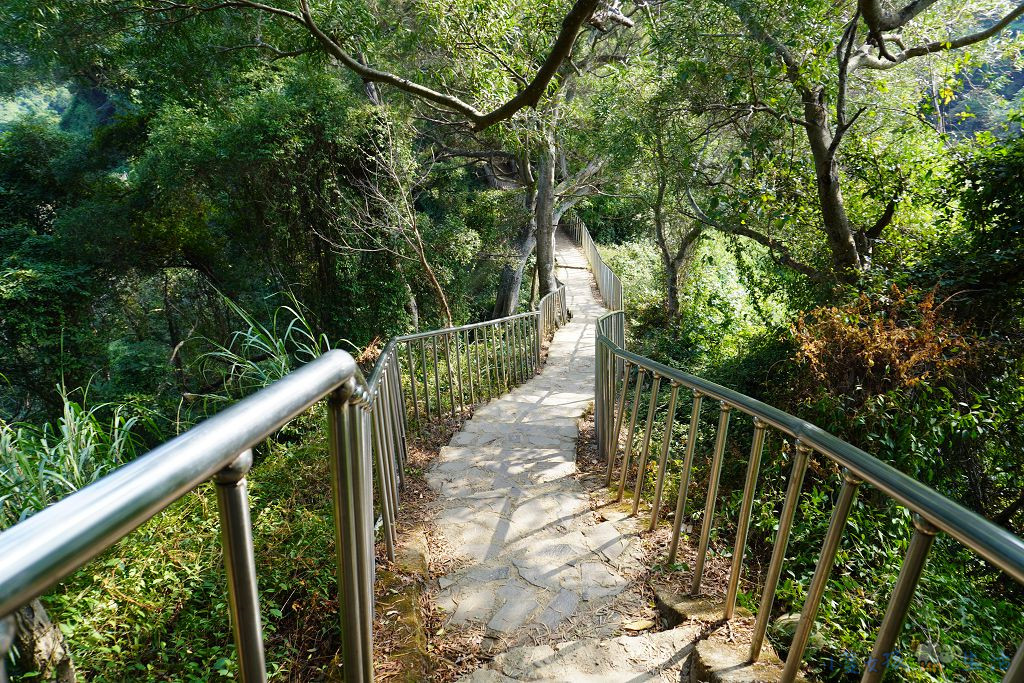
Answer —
820 204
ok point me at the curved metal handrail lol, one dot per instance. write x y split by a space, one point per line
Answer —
367 421
932 512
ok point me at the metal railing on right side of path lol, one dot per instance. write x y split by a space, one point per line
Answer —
622 377
444 371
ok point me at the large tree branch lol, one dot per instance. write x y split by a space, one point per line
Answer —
865 59
778 250
879 19
528 96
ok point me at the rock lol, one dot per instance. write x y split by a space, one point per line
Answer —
561 606
717 662
678 608
784 628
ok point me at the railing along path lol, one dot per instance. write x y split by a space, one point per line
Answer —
421 377
622 376
415 377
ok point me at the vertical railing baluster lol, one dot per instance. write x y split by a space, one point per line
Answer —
448 365
1015 672
380 453
426 386
617 431
521 324
709 505
412 384
8 629
487 359
437 376
628 450
746 507
399 419
801 454
353 520
899 601
645 449
457 338
479 365
470 370
847 494
666 440
684 477
240 566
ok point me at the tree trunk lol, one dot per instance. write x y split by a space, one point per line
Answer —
511 283
836 222
545 217
512 274
41 645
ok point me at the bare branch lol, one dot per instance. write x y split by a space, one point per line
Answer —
864 58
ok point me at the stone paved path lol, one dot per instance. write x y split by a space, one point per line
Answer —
533 552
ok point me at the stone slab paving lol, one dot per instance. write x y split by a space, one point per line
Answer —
658 657
533 554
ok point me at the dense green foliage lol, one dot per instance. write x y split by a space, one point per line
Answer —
197 197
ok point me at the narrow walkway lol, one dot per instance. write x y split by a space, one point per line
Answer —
536 563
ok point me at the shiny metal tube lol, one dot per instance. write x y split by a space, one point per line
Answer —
801 455
412 383
426 386
1015 672
645 449
666 441
48 546
383 485
437 375
479 368
628 450
743 523
353 523
457 338
470 370
240 566
617 433
398 417
448 365
684 477
899 601
709 505
847 494
492 370
8 629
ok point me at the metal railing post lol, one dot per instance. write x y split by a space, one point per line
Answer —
709 506
833 536
743 524
684 479
240 565
645 449
899 601
771 580
353 521
412 384
617 430
1015 672
659 484
8 629
627 452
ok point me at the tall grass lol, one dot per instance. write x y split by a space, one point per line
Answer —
39 465
260 354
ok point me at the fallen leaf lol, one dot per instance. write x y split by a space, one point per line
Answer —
638 625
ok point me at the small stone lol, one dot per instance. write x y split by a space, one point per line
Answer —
561 606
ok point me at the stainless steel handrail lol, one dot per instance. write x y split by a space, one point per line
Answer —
367 423
932 512
40 551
